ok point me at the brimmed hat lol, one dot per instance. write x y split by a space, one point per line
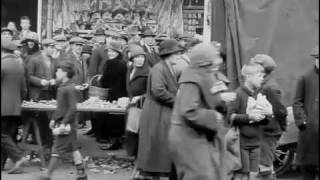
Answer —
115 46
315 52
60 38
148 33
31 36
169 46
100 32
5 29
77 40
112 33
47 42
8 45
87 49
135 50
133 30
183 36
265 61
203 54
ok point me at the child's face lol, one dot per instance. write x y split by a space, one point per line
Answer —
60 74
138 61
255 79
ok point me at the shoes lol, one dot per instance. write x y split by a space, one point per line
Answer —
115 146
17 166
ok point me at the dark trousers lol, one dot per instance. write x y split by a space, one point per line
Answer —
309 172
109 126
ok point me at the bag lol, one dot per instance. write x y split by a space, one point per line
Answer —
95 90
232 156
260 104
133 119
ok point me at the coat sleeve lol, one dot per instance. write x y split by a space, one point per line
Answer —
31 77
234 108
298 103
71 95
23 83
191 110
159 89
93 64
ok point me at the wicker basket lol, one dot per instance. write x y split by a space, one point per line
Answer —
95 90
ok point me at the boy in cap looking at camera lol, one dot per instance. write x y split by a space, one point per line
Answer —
64 123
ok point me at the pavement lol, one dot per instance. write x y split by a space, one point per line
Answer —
105 165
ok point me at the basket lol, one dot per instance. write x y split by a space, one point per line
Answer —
95 90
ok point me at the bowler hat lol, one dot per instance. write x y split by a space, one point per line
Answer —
115 46
5 29
60 38
99 32
31 36
77 40
169 46
8 45
315 52
148 33
47 42
265 61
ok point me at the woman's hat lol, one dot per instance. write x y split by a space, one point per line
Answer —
115 46
203 54
135 50
169 46
31 36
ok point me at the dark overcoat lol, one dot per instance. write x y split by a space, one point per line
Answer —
196 137
79 76
13 85
97 60
306 109
153 151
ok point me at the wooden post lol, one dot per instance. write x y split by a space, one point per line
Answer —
39 19
49 19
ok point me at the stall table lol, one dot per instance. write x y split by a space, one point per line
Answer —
50 108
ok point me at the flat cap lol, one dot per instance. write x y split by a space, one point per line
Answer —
77 40
60 37
265 61
47 42
31 36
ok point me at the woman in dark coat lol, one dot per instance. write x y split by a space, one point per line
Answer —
306 115
114 77
137 76
153 152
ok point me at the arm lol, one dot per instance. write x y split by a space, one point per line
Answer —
72 105
23 85
234 115
159 89
31 69
191 110
298 103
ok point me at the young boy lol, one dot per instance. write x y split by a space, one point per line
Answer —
65 117
249 122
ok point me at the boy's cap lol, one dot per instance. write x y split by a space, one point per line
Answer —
265 61
60 37
47 42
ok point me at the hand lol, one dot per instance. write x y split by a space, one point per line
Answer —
135 99
51 124
85 85
44 82
228 96
219 117
78 87
52 82
256 116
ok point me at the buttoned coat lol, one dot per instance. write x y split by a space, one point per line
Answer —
13 85
153 151
306 109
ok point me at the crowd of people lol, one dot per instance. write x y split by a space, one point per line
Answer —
182 122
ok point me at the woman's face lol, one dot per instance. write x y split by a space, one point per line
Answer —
112 54
138 61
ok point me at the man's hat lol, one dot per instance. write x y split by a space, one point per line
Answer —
315 52
99 32
169 46
77 40
31 36
148 33
87 49
60 37
48 42
5 29
8 45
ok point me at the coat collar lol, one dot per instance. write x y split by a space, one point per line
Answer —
168 71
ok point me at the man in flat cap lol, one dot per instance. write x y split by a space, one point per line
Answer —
13 90
306 115
148 43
